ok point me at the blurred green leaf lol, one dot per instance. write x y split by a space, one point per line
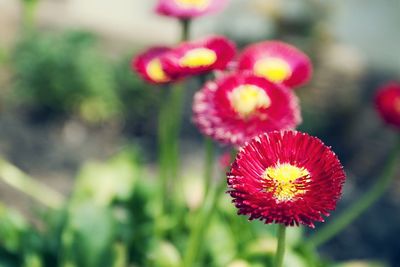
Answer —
12 229
88 236
104 182
32 260
220 243
164 254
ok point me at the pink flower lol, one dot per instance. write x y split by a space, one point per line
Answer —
286 177
237 107
278 62
388 103
191 58
185 9
149 66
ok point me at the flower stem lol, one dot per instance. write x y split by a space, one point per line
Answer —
280 251
202 222
169 126
349 215
14 177
185 35
209 160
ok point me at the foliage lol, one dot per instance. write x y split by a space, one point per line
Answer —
110 220
66 74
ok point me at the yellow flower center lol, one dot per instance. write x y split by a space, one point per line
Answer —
246 99
284 181
199 57
273 69
198 4
155 71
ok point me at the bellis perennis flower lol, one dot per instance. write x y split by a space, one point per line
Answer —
162 64
286 177
185 9
149 67
191 58
278 62
237 107
388 103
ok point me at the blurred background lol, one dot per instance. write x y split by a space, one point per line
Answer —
69 102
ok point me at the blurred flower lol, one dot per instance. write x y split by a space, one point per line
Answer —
225 160
278 62
185 9
237 107
388 103
286 177
149 67
191 58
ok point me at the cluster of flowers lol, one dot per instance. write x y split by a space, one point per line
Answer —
279 175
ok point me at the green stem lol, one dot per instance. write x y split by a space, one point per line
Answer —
349 215
203 219
209 166
185 35
14 177
280 251
169 124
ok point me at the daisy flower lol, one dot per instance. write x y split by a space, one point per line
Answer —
192 58
286 177
149 67
237 107
278 62
387 102
186 9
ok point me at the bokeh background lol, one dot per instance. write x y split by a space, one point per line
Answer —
69 97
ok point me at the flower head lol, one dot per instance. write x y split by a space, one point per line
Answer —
191 58
286 177
185 9
388 103
278 62
237 107
149 66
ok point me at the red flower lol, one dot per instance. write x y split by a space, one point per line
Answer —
388 103
149 66
191 58
185 9
286 177
237 107
278 62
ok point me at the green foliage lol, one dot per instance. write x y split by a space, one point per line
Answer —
12 229
110 220
64 73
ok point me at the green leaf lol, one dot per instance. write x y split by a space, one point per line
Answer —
88 237
104 182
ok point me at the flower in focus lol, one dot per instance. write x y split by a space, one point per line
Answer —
388 103
237 107
185 9
286 177
191 58
149 67
278 62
